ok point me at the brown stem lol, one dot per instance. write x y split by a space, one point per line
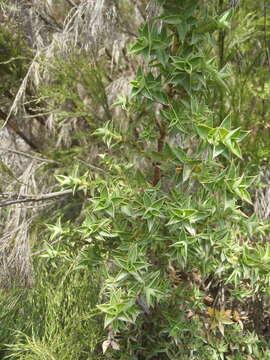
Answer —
160 147
35 198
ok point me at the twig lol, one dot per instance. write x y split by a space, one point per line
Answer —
91 166
45 205
29 156
35 198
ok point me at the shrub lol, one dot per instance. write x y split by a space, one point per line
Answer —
168 222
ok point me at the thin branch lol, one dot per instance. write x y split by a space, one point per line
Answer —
29 156
46 206
35 198
91 166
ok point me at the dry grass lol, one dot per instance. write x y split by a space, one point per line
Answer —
262 198
15 254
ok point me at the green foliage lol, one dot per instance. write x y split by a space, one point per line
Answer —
157 255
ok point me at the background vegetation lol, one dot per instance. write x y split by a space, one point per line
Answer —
134 179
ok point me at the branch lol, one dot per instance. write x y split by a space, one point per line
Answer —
35 198
91 166
30 156
160 146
